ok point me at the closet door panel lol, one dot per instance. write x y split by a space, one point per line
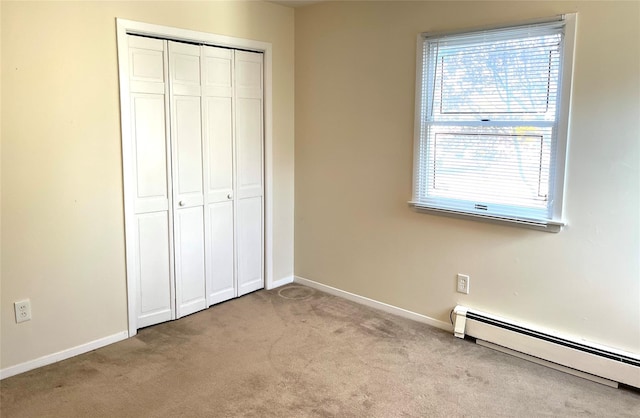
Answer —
219 198
249 244
219 136
218 72
150 151
187 150
153 268
248 74
146 65
249 126
249 147
222 261
184 66
190 263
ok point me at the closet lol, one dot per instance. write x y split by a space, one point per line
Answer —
195 175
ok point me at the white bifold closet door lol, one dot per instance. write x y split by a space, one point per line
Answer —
151 181
249 169
188 190
197 130
218 91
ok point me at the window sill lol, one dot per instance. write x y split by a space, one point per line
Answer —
548 226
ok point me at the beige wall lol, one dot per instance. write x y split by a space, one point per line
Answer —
355 75
62 204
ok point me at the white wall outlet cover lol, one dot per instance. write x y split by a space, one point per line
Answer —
23 310
463 283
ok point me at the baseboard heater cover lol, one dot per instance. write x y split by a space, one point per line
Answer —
605 362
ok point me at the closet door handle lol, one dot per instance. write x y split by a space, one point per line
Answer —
181 203
230 196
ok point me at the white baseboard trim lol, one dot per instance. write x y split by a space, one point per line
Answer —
375 304
62 355
280 282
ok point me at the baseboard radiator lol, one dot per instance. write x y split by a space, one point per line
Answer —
588 360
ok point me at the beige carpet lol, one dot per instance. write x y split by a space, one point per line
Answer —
297 352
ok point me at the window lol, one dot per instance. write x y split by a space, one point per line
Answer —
492 122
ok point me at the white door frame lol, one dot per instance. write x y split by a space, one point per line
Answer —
125 27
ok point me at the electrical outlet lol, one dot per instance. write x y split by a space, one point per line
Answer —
463 284
23 310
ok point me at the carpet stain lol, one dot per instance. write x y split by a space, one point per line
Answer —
296 292
257 383
577 408
337 308
379 327
340 330
473 378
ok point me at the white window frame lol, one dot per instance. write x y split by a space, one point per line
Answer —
556 219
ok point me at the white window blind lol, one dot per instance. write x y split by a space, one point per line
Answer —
491 139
